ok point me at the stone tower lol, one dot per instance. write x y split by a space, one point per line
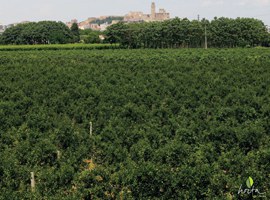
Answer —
153 11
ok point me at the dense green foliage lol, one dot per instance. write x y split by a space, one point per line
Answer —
75 31
175 33
90 36
44 32
167 124
1 39
58 47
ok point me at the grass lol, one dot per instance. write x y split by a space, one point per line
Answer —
57 47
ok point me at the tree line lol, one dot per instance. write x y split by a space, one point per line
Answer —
174 33
221 33
44 32
48 32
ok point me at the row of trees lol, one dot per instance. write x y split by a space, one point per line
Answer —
44 32
48 32
175 33
221 32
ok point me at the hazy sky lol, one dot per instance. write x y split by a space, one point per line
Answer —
64 10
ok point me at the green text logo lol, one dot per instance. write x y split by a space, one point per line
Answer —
249 182
251 190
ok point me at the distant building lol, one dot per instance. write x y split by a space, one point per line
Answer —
115 22
154 16
97 24
73 21
84 27
95 27
86 23
161 15
101 37
103 27
136 17
103 17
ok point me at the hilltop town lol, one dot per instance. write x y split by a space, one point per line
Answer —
154 16
98 24
103 22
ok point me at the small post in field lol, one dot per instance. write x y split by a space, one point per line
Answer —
91 129
58 155
33 183
205 39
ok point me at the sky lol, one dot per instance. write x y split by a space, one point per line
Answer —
12 11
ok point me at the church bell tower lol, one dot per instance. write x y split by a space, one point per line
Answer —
153 11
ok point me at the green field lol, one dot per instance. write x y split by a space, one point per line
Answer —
167 124
58 47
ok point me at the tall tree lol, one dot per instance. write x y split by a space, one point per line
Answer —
75 31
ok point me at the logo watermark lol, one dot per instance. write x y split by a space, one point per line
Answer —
251 190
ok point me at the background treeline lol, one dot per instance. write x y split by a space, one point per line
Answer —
49 32
176 33
90 36
44 32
